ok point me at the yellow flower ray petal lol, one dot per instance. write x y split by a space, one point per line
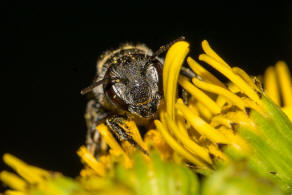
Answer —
203 73
220 91
166 66
87 172
236 141
241 118
109 138
222 101
271 85
116 149
94 183
199 95
221 120
217 152
237 80
251 104
233 88
209 51
178 148
285 82
201 126
192 105
12 192
179 50
129 148
161 114
244 76
130 127
91 161
204 111
180 121
165 73
288 111
154 137
190 145
29 173
13 181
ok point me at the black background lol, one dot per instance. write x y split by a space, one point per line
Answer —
50 55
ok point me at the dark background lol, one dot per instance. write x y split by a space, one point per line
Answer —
50 55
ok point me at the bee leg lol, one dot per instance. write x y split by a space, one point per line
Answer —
188 73
117 125
94 115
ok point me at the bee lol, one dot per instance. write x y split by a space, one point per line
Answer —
127 86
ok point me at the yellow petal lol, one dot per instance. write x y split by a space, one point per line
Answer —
204 111
245 77
241 118
201 126
214 150
190 145
288 112
203 73
178 148
237 80
131 129
236 141
199 95
90 161
29 173
116 149
222 101
181 121
271 85
285 82
233 88
209 51
13 181
221 120
154 137
220 91
12 192
192 105
173 62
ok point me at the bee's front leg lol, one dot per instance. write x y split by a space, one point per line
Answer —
122 131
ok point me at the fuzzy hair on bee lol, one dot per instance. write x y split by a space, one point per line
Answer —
127 86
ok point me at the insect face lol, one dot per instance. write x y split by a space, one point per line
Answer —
135 84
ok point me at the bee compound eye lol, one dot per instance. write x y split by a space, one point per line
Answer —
154 73
115 97
158 66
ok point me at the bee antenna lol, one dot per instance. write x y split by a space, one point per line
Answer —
162 49
165 47
93 85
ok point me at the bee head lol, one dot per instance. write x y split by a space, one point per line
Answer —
135 84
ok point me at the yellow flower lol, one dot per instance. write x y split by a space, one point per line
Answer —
196 130
153 176
238 115
34 180
212 122
277 83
